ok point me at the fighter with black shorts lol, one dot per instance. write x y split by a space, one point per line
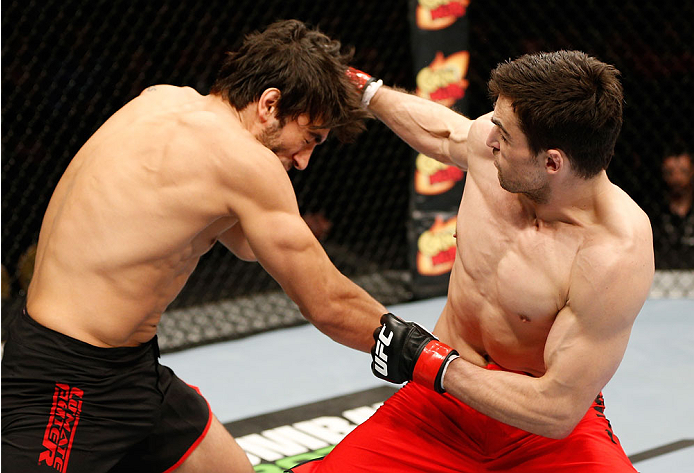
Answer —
160 183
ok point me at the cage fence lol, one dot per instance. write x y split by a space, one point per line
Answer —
68 65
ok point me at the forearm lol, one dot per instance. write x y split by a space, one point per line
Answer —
349 315
328 299
519 400
404 351
428 127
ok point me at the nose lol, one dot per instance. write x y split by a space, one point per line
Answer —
493 138
302 158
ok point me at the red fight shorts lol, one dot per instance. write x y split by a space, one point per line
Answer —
418 430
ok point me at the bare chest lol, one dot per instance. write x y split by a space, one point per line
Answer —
522 271
511 278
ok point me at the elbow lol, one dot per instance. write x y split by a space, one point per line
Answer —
561 425
559 431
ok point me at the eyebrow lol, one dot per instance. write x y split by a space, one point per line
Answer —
498 123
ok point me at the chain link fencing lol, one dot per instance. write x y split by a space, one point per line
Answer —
68 65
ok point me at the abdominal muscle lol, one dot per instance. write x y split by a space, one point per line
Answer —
482 332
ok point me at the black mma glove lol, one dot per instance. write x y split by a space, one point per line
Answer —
406 351
365 84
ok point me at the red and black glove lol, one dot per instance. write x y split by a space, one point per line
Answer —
364 83
406 351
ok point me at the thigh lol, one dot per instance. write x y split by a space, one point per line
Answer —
217 452
186 437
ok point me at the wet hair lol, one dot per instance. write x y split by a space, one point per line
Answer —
564 100
307 67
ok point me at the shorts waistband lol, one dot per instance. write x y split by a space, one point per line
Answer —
28 332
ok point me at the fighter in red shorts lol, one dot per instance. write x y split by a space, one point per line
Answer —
553 264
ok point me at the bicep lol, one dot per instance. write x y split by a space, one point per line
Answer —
581 356
279 237
589 336
287 249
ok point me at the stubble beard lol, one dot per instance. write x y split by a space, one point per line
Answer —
532 189
270 138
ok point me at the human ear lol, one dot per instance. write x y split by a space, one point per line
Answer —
555 160
267 104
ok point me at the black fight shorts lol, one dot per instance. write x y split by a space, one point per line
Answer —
72 407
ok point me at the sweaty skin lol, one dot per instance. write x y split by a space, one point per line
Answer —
546 282
154 188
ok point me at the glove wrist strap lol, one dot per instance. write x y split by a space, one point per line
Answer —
452 357
369 91
432 364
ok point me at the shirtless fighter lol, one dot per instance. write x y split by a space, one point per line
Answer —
553 264
156 186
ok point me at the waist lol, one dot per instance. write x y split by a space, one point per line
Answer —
28 332
108 322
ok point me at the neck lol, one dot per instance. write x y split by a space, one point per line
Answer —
571 201
218 103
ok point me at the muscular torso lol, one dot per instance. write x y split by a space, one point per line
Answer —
129 220
512 271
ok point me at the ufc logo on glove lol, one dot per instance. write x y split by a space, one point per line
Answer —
380 358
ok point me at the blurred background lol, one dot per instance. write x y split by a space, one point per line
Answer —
68 65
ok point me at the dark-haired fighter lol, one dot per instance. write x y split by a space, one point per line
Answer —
154 188
553 264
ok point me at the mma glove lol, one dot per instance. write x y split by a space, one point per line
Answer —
405 351
365 84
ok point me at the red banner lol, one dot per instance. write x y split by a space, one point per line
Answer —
440 49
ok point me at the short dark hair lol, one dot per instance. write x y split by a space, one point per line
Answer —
566 100
306 66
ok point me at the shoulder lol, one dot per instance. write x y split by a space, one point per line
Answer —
629 226
614 267
234 157
168 89
246 174
213 151
477 138
480 158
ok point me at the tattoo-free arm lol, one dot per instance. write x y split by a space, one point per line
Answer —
428 127
264 201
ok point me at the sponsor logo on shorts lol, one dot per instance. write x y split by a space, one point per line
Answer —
60 431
